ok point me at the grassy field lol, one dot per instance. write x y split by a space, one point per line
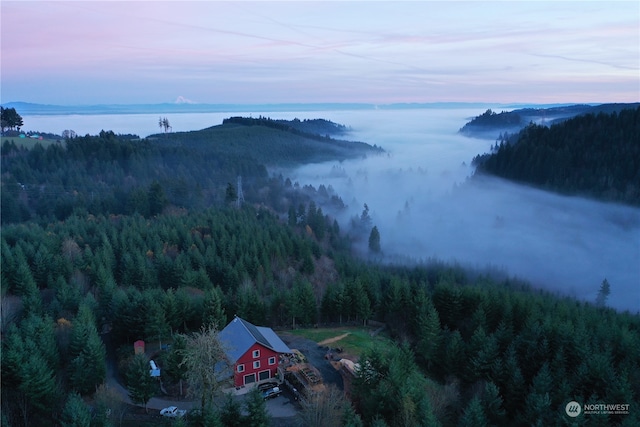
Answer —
357 339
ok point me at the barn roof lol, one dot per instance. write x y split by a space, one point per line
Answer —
239 335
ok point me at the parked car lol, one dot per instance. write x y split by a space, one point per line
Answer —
173 412
266 386
271 393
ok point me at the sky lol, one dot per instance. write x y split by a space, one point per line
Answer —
92 52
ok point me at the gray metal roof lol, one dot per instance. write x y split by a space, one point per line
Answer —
239 335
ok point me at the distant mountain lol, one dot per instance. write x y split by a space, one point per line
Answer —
26 108
491 125
182 105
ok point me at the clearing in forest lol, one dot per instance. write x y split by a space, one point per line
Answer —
334 339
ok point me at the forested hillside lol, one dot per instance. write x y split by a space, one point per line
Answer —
110 240
490 124
111 174
591 155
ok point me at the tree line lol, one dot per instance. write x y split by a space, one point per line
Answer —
591 155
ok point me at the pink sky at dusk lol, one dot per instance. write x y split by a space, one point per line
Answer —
88 52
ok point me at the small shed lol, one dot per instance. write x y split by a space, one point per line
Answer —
138 347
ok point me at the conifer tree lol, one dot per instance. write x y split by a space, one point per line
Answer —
257 415
174 366
427 328
231 412
492 404
87 353
473 415
213 310
140 384
75 413
374 240
38 382
603 293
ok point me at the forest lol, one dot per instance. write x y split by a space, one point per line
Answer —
121 174
591 155
108 240
492 123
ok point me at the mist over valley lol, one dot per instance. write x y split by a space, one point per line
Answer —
426 205
424 199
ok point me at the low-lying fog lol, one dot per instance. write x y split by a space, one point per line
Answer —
560 243
424 206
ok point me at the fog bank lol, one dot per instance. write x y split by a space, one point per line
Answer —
424 205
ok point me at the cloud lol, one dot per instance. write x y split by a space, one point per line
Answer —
367 51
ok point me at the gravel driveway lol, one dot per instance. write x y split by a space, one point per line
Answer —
315 354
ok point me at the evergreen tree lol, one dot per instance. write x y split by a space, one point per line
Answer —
75 413
350 418
10 119
140 384
603 293
473 415
492 404
257 415
428 331
292 216
38 382
26 287
230 195
87 353
360 304
155 324
13 355
231 412
174 366
374 240
157 199
213 310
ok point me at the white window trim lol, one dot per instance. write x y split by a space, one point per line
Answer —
256 364
240 367
272 360
256 354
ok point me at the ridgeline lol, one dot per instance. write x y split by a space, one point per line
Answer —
592 155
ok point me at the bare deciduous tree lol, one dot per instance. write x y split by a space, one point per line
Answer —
323 409
109 404
163 123
206 362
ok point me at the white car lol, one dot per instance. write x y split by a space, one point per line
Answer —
173 412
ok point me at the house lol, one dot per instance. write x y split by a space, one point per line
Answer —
253 351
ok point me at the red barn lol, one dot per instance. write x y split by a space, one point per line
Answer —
253 351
